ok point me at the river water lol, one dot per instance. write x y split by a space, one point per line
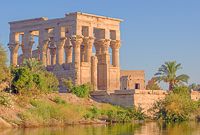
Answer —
147 128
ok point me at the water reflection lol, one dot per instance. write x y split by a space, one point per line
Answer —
148 128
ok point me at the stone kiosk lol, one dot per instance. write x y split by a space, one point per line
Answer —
84 48
76 47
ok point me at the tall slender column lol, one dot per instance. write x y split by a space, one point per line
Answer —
43 51
97 46
28 43
43 45
68 51
13 53
83 52
115 45
60 51
52 48
88 43
13 46
76 43
94 62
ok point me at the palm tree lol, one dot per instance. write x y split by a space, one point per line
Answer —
167 73
33 64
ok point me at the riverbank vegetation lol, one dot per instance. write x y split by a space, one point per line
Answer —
29 98
177 106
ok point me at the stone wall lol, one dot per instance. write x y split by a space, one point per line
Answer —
140 98
146 98
129 79
129 98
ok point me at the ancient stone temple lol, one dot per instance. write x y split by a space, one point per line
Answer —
79 46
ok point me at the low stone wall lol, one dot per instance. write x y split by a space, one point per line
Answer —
146 98
129 98
139 98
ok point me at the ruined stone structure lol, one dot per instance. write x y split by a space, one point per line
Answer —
132 79
76 47
85 48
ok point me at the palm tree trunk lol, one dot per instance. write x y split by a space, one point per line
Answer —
170 86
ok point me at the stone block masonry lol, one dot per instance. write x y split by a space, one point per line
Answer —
75 47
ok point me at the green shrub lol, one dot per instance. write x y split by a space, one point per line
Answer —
59 100
93 113
67 83
5 100
22 80
125 114
3 68
115 114
176 107
82 90
33 80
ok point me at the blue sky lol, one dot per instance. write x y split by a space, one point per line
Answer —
153 31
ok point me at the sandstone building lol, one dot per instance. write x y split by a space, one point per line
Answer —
82 47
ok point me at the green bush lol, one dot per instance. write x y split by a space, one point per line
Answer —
82 90
125 114
115 114
176 107
59 100
22 80
67 83
33 80
3 68
5 100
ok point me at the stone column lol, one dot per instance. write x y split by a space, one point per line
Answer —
83 51
105 46
88 43
94 62
68 51
43 52
44 41
102 47
60 51
13 45
52 48
115 45
13 53
76 43
97 46
28 43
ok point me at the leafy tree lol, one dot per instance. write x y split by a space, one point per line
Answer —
167 73
32 78
3 67
195 87
153 85
176 107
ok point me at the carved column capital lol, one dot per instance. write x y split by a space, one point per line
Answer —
88 41
102 43
115 44
14 46
61 42
76 41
